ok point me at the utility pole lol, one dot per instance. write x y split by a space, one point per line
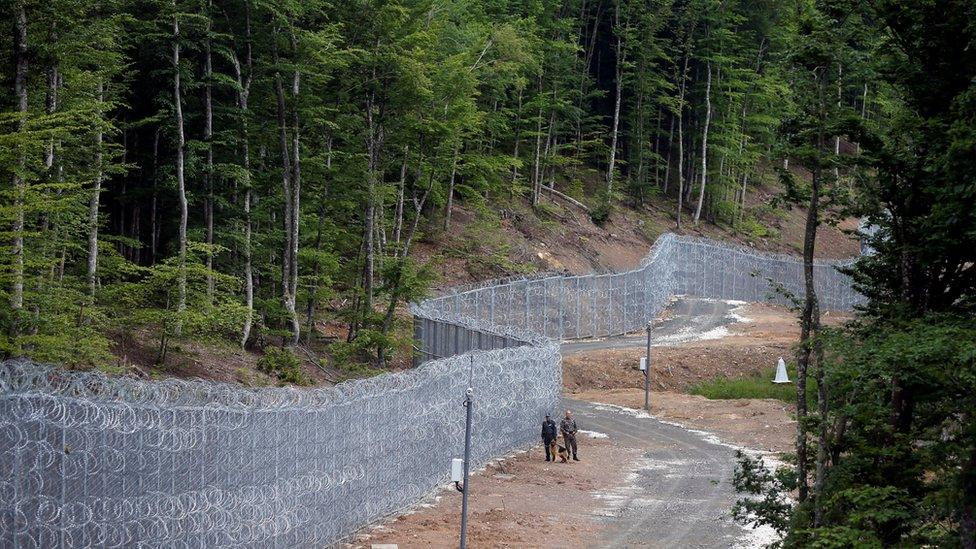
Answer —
647 371
463 488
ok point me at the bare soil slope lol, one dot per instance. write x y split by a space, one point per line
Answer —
513 239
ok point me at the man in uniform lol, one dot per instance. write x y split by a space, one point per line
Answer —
549 434
568 428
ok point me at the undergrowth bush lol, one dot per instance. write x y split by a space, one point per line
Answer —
600 213
283 364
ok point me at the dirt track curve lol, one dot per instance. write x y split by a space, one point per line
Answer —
686 319
680 492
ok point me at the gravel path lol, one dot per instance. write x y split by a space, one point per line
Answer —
678 494
689 319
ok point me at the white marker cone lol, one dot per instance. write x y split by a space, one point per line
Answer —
781 376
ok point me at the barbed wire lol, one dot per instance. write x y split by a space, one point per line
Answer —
92 460
602 305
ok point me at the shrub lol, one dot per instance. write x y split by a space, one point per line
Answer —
283 364
600 213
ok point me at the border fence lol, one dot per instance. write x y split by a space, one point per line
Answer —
88 460
503 313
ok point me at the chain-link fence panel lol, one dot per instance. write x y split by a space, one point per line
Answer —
601 305
87 460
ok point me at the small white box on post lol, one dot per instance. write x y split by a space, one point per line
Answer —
643 364
457 470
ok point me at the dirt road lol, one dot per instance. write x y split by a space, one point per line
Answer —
643 481
685 320
677 493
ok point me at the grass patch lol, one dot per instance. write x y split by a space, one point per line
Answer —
486 250
753 228
754 386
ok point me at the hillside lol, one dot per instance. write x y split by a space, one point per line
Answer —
506 241
561 237
195 189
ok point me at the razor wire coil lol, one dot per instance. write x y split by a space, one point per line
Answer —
90 460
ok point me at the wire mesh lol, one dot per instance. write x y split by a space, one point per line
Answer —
88 460
571 307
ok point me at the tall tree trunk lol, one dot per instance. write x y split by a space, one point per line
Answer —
823 450
667 165
180 180
742 198
50 231
547 151
18 183
616 104
840 90
401 258
208 213
810 318
657 148
154 213
296 183
584 71
737 216
313 290
681 140
55 168
518 139
704 158
93 202
401 188
536 176
287 297
639 175
374 140
864 107
244 76
450 188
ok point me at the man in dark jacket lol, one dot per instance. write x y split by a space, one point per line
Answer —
548 435
568 427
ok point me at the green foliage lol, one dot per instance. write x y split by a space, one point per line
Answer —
754 386
387 112
896 485
600 212
283 364
349 356
486 250
767 492
753 228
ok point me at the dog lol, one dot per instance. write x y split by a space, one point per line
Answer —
559 450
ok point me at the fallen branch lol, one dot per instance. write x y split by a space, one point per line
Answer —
567 198
314 360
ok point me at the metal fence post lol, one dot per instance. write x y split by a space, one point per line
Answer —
469 405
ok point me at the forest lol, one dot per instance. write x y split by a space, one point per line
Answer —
236 171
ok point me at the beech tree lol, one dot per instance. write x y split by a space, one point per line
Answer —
304 148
